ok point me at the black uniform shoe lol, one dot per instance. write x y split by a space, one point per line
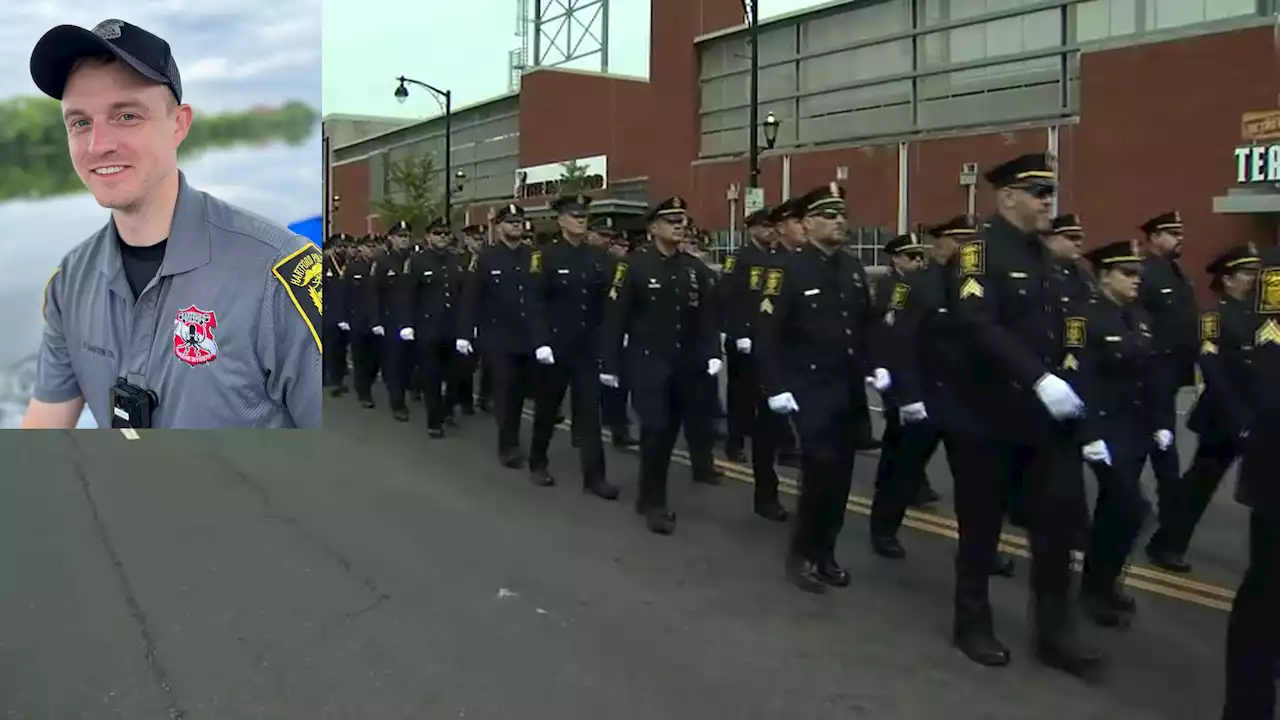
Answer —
1170 561
804 575
1003 566
926 496
660 521
789 458
560 418
733 452
368 404
400 415
772 510
601 488
1100 609
887 546
622 438
982 647
486 405
435 433
513 459
711 476
1070 657
338 391
541 478
832 574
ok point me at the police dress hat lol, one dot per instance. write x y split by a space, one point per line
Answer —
759 218
57 52
470 229
1113 254
903 243
438 226
400 227
782 211
1068 224
1030 170
818 200
571 204
508 212
603 226
960 225
1164 222
1240 256
671 208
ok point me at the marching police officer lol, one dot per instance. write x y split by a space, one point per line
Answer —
1223 410
337 313
1169 298
1108 360
397 349
615 400
366 345
565 296
1065 239
427 316
658 301
787 219
494 312
463 396
1005 302
1253 637
812 350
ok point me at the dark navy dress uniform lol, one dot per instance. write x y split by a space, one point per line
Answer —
495 312
337 313
658 303
813 337
1109 360
366 347
1009 317
565 292
1224 409
1253 635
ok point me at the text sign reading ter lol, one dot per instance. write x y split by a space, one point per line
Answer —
1258 164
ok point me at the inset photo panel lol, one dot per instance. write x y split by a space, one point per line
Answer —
160 184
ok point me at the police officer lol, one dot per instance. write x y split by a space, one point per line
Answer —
614 400
812 350
658 302
1223 410
182 311
397 345
1253 636
427 317
337 325
565 296
1065 240
365 343
1010 322
494 312
739 300
787 219
464 373
1169 298
1108 360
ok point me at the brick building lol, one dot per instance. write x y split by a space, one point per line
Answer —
1142 101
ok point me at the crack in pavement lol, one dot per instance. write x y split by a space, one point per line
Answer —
151 655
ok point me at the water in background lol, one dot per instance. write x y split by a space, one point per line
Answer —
278 181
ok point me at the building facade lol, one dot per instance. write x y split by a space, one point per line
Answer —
906 103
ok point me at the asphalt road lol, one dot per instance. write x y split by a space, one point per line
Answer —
366 572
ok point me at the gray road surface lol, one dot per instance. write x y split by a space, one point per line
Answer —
366 572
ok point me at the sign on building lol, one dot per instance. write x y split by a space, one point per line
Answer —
545 180
1258 164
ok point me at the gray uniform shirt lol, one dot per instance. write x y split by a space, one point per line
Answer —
227 334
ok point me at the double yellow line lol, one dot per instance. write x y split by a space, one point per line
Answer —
1135 576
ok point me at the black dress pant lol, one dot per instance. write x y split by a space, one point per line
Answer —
511 382
1054 500
664 405
903 458
398 368
1253 634
1118 517
366 360
767 430
826 464
579 371
334 362
436 360
1210 464
740 396
613 408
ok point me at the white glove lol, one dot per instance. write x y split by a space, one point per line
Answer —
783 403
406 333
1058 397
609 380
344 327
913 413
462 346
743 345
714 365
1097 452
379 330
544 356
722 339
880 380
1163 438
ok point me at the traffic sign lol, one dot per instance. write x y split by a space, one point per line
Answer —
755 200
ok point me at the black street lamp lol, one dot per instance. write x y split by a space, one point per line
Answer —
402 94
752 10
770 126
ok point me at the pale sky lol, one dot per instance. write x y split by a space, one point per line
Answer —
458 45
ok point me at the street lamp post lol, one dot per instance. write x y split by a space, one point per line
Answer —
751 8
402 94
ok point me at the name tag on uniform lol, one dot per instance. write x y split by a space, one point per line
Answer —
814 291
1018 275
356 277
653 284
427 272
1112 338
563 271
495 272
1166 290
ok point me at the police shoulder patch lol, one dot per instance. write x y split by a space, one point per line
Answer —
301 274
899 298
773 283
972 258
619 274
1209 326
535 262
1074 332
729 264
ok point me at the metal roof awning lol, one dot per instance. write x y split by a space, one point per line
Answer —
1248 201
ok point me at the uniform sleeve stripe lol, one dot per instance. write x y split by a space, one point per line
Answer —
293 296
44 296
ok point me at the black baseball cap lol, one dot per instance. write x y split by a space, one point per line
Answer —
57 52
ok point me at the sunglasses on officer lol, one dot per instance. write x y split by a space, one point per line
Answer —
1039 191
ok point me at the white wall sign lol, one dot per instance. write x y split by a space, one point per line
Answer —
1258 164
544 180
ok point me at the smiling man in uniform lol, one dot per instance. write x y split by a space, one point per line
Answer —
182 311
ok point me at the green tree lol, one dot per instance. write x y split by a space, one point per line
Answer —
415 195
573 177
